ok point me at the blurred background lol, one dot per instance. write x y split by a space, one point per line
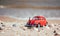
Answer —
30 8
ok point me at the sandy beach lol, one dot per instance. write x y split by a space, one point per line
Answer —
7 28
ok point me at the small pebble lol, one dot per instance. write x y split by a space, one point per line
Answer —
24 29
57 28
14 25
0 28
54 25
1 23
56 34
54 31
49 26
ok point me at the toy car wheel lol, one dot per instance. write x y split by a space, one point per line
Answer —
37 25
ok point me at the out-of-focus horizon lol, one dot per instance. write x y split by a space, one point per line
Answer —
31 2
47 4
29 8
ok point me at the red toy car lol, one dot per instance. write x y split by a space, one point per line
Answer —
37 20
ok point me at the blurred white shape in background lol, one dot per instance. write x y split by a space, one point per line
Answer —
1 6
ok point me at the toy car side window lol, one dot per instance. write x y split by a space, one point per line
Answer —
42 19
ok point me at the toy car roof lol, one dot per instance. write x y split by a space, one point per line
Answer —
39 17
